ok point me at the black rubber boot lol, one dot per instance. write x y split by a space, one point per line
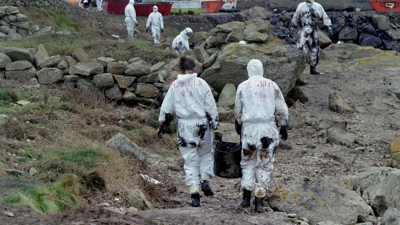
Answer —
246 198
313 70
195 200
205 187
259 205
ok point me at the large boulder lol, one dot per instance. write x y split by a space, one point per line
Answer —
49 75
87 69
138 68
381 184
320 200
114 93
381 22
104 80
4 60
19 65
348 33
17 53
21 74
391 217
282 64
137 199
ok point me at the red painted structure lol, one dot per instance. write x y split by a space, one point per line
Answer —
141 8
211 6
385 5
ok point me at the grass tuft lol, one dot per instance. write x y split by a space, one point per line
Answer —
49 199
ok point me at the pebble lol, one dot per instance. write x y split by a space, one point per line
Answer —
10 214
292 215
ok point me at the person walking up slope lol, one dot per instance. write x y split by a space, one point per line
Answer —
190 99
261 114
130 18
155 20
307 16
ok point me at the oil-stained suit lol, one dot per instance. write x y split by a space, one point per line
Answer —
306 19
260 113
190 99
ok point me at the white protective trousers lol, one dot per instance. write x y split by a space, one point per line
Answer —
190 99
155 20
261 111
130 18
99 3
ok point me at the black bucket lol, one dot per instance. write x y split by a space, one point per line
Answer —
227 158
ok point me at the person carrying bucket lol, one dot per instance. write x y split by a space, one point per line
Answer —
190 99
261 114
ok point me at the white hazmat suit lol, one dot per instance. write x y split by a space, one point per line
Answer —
181 42
191 100
260 111
306 18
155 20
99 7
130 18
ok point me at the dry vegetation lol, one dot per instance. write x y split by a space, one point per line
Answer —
64 131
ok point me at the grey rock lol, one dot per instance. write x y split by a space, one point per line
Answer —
121 143
71 78
13 36
295 119
21 75
151 78
3 37
50 61
227 96
116 68
391 217
146 90
137 199
340 105
322 200
17 54
22 25
129 96
87 69
19 65
382 185
231 64
71 61
324 40
348 33
80 55
210 60
105 60
41 55
11 10
85 85
137 68
157 67
32 171
4 61
201 54
339 136
21 17
5 30
104 80
62 65
114 93
49 75
381 22
124 81
135 59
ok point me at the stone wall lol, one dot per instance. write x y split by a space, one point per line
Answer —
60 5
337 4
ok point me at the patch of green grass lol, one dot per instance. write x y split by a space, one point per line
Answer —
49 199
61 21
28 154
6 97
85 158
127 126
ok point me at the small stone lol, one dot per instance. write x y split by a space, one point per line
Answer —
10 214
32 171
292 215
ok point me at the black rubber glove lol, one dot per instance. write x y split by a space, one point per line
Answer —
284 134
160 131
330 33
147 30
217 135
238 128
162 30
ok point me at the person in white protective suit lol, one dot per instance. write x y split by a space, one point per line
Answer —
99 3
261 114
307 16
181 42
190 99
130 18
155 20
